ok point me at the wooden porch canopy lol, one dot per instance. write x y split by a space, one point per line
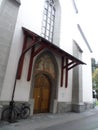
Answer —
67 61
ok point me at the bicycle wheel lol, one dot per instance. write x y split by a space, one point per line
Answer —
25 112
6 114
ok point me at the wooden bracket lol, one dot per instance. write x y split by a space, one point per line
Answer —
33 54
67 67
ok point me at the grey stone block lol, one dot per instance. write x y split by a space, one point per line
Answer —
78 107
63 107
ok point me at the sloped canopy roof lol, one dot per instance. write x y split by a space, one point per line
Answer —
67 60
51 46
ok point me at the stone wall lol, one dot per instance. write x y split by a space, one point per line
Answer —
63 107
82 107
8 16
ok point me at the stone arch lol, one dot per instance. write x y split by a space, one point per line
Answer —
46 64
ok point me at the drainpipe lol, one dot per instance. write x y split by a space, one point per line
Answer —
12 103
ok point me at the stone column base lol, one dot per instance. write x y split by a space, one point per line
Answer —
81 107
31 102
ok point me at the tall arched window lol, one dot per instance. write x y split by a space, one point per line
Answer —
48 20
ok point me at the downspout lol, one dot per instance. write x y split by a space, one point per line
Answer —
11 103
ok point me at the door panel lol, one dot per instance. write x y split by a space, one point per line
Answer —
45 97
37 100
41 94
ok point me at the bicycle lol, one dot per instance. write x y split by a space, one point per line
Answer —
11 113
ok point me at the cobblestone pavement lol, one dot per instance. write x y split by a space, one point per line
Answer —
41 121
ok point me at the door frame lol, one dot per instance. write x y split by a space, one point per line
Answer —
53 82
51 89
41 89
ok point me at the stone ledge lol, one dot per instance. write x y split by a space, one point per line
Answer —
18 1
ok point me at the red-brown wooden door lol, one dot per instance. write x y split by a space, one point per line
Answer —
41 94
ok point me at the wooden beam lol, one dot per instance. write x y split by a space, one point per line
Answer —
69 64
33 54
62 70
73 66
22 59
66 74
30 65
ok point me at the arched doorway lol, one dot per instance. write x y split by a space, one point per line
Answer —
41 94
44 83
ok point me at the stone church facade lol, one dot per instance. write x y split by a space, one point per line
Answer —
44 56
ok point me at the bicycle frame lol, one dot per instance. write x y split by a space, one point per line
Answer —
11 113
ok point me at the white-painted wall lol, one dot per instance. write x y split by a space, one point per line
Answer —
65 94
86 57
0 2
87 80
66 25
86 70
69 31
30 16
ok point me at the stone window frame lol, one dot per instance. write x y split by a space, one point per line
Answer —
18 1
48 20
